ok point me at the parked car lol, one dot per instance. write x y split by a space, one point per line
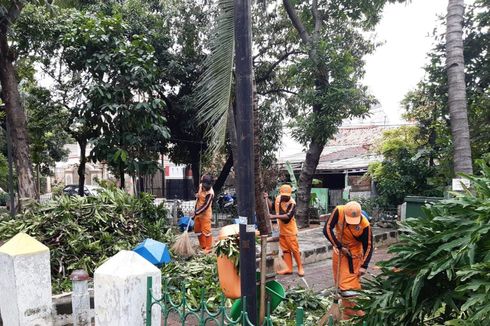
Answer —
72 190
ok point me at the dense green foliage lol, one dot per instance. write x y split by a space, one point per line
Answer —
313 304
82 232
441 266
194 275
103 75
406 168
46 127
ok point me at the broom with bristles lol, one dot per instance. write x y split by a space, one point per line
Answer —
279 263
183 244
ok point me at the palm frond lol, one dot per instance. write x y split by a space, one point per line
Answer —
214 87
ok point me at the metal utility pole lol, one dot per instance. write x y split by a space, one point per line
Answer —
245 163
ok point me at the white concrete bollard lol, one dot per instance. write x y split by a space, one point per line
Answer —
120 291
80 298
25 282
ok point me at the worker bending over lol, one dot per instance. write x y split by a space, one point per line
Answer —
285 209
351 236
204 212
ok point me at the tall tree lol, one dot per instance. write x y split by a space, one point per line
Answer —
16 117
406 168
174 29
329 76
457 88
103 73
427 105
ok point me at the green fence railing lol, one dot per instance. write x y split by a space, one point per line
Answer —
202 314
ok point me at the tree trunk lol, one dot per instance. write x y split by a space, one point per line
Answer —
315 149
261 209
457 88
305 180
141 184
196 170
17 120
122 181
81 167
38 182
225 171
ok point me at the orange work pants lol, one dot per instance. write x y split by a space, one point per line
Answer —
289 244
349 271
202 227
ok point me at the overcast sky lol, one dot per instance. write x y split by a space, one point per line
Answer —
396 66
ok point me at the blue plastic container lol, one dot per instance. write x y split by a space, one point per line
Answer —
154 251
182 223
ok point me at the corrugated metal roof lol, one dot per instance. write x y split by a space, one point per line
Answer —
352 163
350 149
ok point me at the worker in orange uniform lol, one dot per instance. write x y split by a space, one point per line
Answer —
285 209
351 236
204 212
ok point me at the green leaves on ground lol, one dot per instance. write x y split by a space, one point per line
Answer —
193 277
82 232
314 305
440 269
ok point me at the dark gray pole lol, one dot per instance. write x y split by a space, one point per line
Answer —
11 169
244 113
163 176
245 164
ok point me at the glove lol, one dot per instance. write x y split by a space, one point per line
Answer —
346 251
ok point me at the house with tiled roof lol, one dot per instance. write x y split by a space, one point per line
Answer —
344 162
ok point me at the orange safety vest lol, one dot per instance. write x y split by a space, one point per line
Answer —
201 201
285 229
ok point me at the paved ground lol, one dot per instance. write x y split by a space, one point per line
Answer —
318 276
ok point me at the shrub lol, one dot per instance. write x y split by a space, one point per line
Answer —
440 269
4 197
82 232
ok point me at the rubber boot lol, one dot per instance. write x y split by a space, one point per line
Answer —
202 241
209 244
288 259
297 257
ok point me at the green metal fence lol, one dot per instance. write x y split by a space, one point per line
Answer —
201 313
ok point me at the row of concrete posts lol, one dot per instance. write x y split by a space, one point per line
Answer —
119 288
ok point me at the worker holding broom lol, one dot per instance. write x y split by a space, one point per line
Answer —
204 212
285 208
351 236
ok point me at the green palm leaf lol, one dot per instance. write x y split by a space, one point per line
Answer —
214 87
